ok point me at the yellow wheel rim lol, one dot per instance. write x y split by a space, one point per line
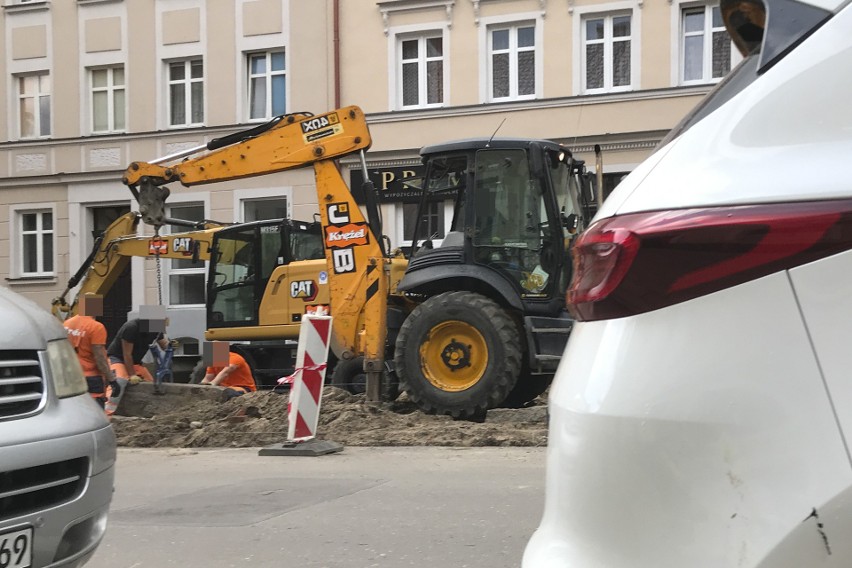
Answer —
454 356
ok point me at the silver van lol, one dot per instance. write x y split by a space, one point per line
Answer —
57 449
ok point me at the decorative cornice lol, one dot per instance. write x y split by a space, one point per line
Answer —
542 4
390 7
34 6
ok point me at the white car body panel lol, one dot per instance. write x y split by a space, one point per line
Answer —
825 301
664 455
713 163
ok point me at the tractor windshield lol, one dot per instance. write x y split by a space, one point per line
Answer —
232 275
510 218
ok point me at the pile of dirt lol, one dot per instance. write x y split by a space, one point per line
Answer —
260 419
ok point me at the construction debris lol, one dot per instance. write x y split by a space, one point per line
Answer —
260 418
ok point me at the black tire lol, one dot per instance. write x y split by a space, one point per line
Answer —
349 375
198 372
459 354
527 389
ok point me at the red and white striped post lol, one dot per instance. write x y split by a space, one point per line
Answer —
307 382
309 378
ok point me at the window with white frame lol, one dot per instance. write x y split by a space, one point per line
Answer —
34 105
421 70
264 208
186 277
511 61
705 45
436 217
607 51
186 92
267 84
35 246
108 99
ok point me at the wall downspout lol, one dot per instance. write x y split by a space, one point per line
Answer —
336 44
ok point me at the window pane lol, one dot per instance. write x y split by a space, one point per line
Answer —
27 85
47 252
621 26
177 71
279 95
99 78
258 98
44 83
258 64
717 18
621 63
434 47
118 113
27 117
47 221
721 54
435 82
118 76
410 85
186 288
500 39
526 73
29 221
99 111
693 21
263 209
278 61
177 98
526 37
197 69
594 66
409 49
693 55
500 75
30 254
197 90
44 115
594 29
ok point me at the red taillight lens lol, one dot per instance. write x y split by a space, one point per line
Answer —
641 262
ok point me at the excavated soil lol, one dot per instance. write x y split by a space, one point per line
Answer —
260 419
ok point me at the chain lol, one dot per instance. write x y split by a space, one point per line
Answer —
159 267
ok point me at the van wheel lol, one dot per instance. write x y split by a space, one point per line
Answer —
459 354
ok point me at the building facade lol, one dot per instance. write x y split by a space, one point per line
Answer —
92 85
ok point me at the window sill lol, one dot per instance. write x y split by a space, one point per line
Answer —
20 280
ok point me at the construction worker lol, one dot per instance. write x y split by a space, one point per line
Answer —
126 351
88 336
236 376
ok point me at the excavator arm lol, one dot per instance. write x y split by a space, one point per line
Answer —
114 248
286 142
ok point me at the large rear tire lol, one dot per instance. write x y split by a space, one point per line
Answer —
459 354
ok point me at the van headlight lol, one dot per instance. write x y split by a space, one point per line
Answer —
65 370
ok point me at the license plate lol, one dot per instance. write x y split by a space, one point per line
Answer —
16 548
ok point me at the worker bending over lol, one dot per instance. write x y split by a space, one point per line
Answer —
126 351
236 376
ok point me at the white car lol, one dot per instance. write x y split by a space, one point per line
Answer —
702 413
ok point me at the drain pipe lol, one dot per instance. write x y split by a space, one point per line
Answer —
336 44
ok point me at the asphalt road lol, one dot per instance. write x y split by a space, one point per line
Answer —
361 508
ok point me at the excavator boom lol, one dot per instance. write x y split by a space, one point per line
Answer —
287 142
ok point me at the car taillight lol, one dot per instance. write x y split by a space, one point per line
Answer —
640 262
